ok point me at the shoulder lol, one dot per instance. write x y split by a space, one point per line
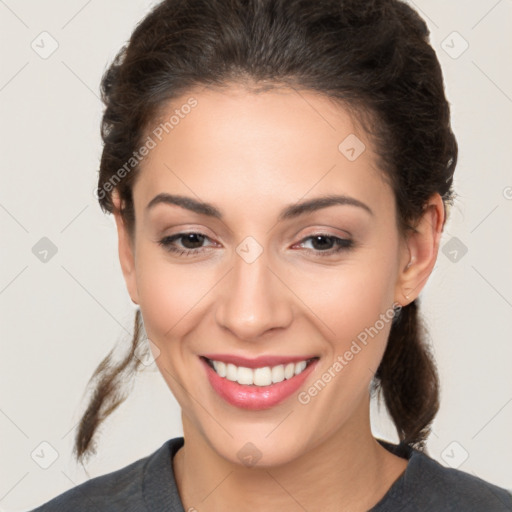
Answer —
120 490
458 490
427 485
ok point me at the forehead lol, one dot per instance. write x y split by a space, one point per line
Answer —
264 148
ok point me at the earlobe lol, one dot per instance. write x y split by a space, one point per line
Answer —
126 250
420 251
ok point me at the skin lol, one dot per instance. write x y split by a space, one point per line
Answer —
251 155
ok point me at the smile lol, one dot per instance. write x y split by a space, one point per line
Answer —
257 384
263 376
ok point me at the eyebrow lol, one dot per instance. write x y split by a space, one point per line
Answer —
290 212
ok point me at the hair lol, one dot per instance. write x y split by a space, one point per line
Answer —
372 57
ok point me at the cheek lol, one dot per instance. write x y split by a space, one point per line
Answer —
355 316
353 306
351 298
172 297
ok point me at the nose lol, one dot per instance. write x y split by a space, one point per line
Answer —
254 300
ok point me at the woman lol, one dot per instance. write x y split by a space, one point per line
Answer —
280 174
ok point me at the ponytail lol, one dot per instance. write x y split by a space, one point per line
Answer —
408 378
110 381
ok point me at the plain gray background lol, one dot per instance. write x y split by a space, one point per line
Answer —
60 317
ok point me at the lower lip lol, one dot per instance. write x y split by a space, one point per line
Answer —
256 397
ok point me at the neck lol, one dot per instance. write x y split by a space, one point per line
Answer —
348 471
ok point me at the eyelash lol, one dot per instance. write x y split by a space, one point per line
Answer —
341 243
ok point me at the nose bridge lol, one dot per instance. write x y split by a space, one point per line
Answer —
253 301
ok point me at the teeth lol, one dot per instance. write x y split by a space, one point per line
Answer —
220 368
245 375
299 367
262 376
258 376
278 373
231 372
289 371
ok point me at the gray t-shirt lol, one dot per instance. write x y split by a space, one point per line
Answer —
148 484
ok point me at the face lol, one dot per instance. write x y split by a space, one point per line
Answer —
258 283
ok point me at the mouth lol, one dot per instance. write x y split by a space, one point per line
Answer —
257 384
258 375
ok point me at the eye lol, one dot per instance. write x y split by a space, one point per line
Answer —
325 245
191 243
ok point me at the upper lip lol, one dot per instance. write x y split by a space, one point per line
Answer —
257 362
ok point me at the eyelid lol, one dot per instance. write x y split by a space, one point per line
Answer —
318 232
185 229
325 230
182 234
340 244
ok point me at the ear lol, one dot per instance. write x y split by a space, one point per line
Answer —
419 251
126 250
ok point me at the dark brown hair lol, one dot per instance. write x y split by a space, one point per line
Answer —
372 56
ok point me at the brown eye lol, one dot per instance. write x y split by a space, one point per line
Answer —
324 244
191 243
192 240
